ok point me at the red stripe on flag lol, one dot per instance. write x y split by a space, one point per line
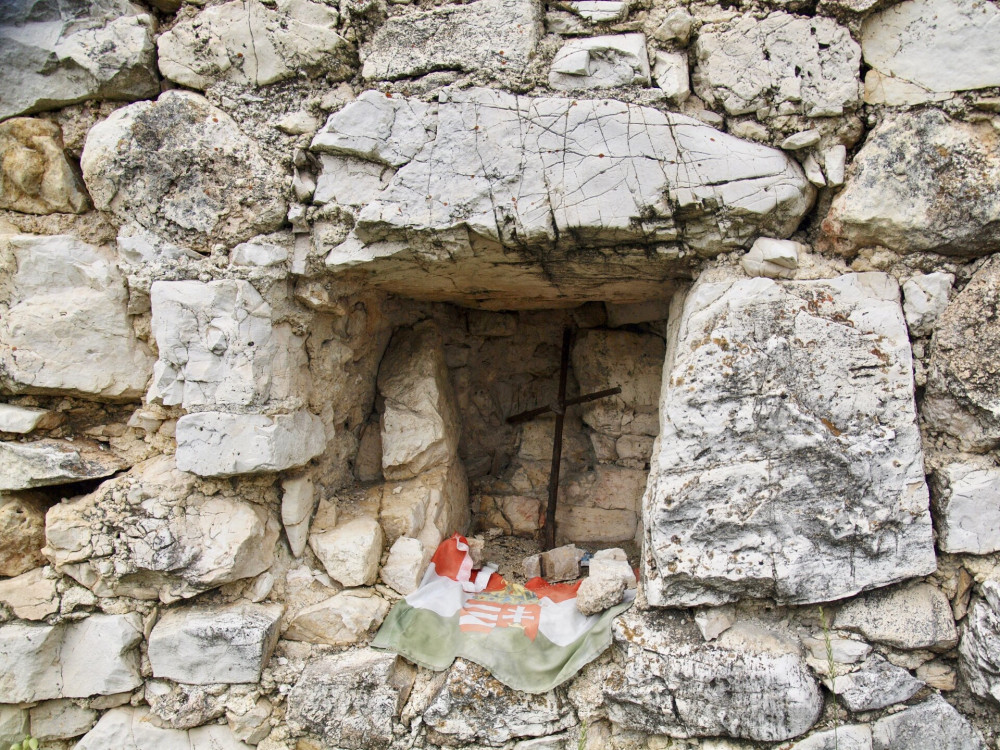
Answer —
557 592
448 558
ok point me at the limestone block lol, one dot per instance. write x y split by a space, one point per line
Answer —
52 55
895 92
22 533
350 551
598 593
378 127
14 724
216 444
133 729
938 675
218 347
60 719
925 297
966 513
31 595
714 621
209 644
912 617
180 706
774 259
420 427
601 525
941 45
205 183
155 533
252 725
979 650
350 699
93 656
65 326
262 254
747 64
601 62
843 650
632 361
43 463
963 393
473 707
850 737
343 619
670 71
876 207
562 563
751 682
834 164
800 140
931 725
469 37
255 44
348 181
142 249
513 514
35 176
676 26
599 11
610 487
789 461
298 501
404 568
21 420
876 684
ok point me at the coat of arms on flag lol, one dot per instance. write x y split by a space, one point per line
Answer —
530 637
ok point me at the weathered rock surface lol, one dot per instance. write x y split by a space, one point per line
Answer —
404 567
54 54
256 44
343 619
601 62
454 37
42 463
780 472
217 346
21 420
350 551
851 737
298 501
598 593
602 505
420 427
979 649
14 724
627 175
22 533
60 719
966 513
876 684
916 616
181 706
203 183
775 259
94 656
472 706
217 444
350 699
925 297
153 533
948 202
430 507
751 682
35 176
941 45
133 729
210 644
931 725
31 595
749 65
963 387
65 327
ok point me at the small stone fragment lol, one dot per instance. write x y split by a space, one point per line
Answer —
876 684
261 254
925 297
851 737
251 726
979 650
31 595
14 724
805 139
35 176
772 258
562 563
298 501
44 463
966 514
601 62
532 566
675 27
714 621
21 420
60 720
350 551
404 568
598 593
912 617
814 173
834 164
937 675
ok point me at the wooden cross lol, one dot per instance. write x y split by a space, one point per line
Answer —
559 409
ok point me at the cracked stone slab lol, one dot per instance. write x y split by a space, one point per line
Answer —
256 44
789 463
56 54
43 463
748 64
480 35
536 197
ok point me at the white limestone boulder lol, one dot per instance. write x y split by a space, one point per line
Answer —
31 595
749 65
65 326
931 725
925 296
601 62
155 533
343 619
42 463
979 649
206 182
212 644
350 551
35 176
481 35
21 420
437 498
966 512
940 45
22 532
217 444
93 656
875 684
53 55
61 719
789 462
912 617
255 44
879 207
218 347
751 682
404 567
350 699
298 501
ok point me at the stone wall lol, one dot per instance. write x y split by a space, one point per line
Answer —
274 273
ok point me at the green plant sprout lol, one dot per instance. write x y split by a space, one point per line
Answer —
28 743
831 667
581 740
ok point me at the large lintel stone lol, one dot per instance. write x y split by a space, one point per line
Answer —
789 462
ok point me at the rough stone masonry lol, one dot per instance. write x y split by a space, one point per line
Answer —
274 273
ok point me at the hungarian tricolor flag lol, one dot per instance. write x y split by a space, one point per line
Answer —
530 637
